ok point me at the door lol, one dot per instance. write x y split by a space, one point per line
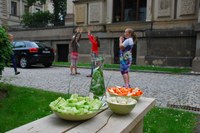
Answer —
116 51
62 52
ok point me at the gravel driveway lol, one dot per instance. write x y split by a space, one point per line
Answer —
166 88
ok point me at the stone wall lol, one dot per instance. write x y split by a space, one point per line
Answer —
196 61
166 38
157 47
3 12
106 49
170 48
44 34
91 12
166 10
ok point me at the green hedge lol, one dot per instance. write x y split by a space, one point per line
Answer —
5 48
37 19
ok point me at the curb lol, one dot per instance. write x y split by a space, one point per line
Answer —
140 71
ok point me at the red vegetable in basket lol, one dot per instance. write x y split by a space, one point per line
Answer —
121 91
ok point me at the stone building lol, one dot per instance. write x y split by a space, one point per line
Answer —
12 10
167 30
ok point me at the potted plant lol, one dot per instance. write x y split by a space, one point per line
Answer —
5 49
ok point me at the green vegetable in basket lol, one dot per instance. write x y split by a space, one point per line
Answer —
76 105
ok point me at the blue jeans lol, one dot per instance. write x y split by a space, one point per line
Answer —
14 62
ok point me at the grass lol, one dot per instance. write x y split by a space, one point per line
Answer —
133 67
160 120
24 105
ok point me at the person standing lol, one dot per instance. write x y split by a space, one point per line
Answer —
126 45
74 53
94 40
11 38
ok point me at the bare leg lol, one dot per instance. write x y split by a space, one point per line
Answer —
75 68
71 69
72 66
127 82
126 79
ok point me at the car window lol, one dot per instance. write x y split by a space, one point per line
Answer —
41 45
35 45
19 45
32 44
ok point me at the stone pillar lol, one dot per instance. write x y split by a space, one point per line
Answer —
21 8
109 16
149 16
196 61
0 18
69 18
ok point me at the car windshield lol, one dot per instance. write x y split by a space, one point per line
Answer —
37 45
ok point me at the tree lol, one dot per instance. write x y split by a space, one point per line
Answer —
59 10
5 49
38 19
31 2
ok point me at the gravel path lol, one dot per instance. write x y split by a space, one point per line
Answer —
166 88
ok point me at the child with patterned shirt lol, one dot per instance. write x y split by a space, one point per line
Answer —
126 46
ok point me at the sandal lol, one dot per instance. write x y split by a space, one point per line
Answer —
77 73
72 74
89 76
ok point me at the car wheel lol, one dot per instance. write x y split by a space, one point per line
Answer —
23 62
48 64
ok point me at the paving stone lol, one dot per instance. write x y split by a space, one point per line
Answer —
166 88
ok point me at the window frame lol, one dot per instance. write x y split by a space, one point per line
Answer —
26 9
37 9
13 10
122 12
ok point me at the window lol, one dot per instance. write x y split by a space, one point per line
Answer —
26 9
37 10
13 8
19 45
129 10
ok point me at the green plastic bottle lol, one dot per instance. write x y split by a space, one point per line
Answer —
97 86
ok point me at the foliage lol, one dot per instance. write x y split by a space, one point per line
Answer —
31 2
23 105
5 48
59 10
38 19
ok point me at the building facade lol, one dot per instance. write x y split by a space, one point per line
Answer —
167 30
11 11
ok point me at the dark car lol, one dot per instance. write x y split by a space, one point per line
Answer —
29 53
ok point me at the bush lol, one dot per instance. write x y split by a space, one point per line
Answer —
38 19
5 48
